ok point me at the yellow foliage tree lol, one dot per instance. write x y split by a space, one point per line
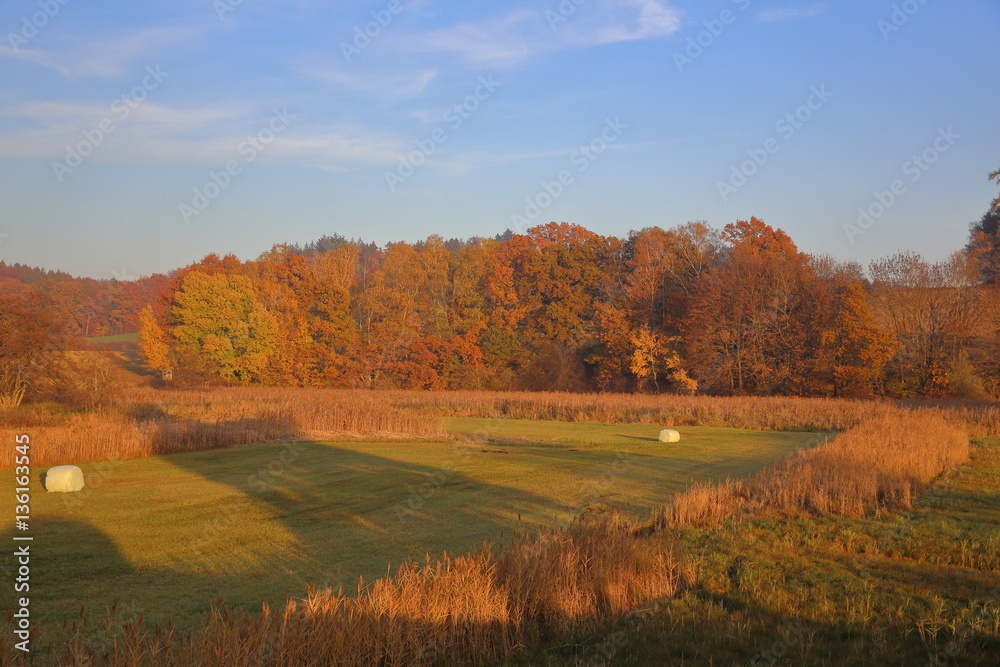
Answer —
653 355
219 319
152 342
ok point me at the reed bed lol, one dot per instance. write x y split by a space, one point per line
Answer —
143 421
761 413
767 413
880 464
147 422
478 608
491 604
333 410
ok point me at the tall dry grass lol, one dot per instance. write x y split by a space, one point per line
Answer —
764 413
488 605
878 464
142 421
323 410
769 413
479 608
147 422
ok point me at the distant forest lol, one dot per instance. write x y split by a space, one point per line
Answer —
691 309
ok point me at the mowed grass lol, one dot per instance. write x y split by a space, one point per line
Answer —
116 338
168 535
914 588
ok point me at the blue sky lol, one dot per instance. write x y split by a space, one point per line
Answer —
138 138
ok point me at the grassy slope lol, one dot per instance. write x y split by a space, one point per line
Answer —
914 589
169 534
117 338
125 348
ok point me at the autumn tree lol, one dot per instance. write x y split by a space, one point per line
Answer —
663 269
31 340
153 344
860 348
470 314
745 331
282 280
387 313
328 302
610 357
930 308
503 341
654 356
211 264
984 240
547 288
218 318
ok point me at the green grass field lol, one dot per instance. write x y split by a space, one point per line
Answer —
168 535
917 588
117 338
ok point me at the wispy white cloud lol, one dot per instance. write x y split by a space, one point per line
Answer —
406 65
472 160
654 20
154 134
785 14
409 61
104 55
496 41
465 162
512 38
82 115
387 84
33 56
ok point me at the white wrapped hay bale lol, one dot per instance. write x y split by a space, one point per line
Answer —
64 479
669 435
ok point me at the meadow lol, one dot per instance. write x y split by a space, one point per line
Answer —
260 524
572 535
916 587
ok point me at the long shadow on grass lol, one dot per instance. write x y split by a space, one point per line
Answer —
295 515
348 513
75 566
870 611
351 513
636 437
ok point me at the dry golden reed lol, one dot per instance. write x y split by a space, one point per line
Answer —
491 604
878 464
767 413
143 421
480 608
148 422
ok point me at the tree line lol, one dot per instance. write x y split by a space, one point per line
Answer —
734 311
690 309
